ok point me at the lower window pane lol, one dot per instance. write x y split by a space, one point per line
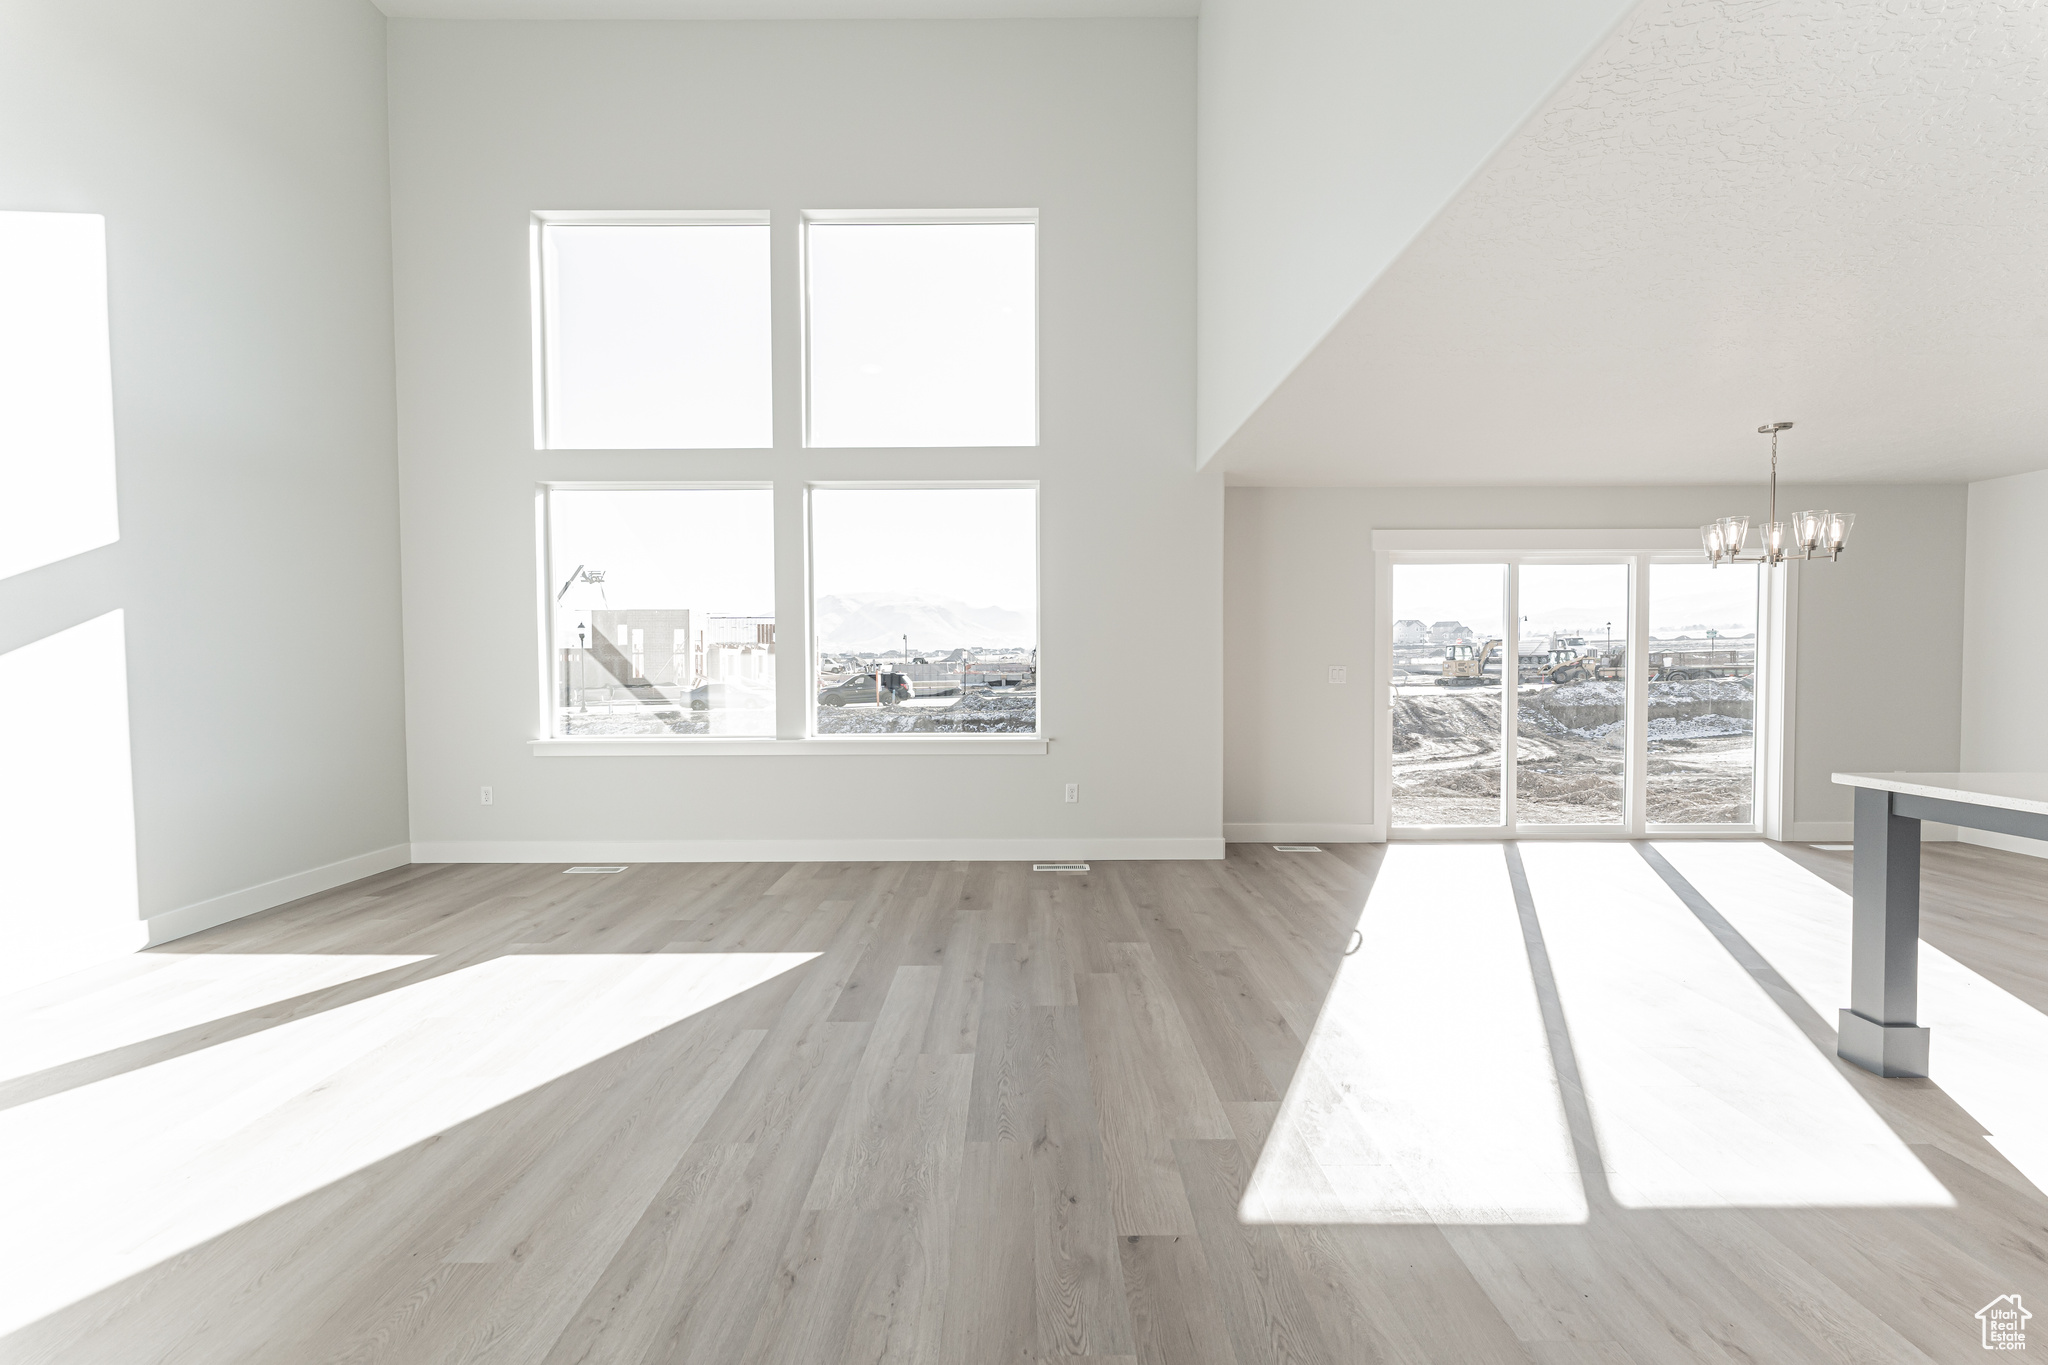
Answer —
926 610
663 604
1447 693
1571 753
1702 657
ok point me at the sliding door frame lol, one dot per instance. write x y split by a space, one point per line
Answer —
1639 550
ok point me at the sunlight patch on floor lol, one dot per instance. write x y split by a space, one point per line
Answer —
1989 1048
1426 1093
112 1177
1703 1093
147 995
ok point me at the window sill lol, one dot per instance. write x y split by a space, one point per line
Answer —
816 746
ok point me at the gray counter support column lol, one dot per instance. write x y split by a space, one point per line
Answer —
1877 1032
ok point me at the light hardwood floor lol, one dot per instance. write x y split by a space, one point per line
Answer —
897 1112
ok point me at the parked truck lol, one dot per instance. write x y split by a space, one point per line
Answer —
1685 665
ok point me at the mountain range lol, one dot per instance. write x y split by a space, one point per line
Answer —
871 622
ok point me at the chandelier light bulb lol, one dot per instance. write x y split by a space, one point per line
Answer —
1838 529
1710 540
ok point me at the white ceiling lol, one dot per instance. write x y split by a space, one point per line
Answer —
787 9
1827 211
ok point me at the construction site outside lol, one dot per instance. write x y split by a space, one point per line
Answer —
1570 752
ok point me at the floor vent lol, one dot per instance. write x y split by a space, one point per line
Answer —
1059 867
593 869
1296 848
1836 848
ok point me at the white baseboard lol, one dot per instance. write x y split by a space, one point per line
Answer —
811 850
1303 832
2011 843
190 919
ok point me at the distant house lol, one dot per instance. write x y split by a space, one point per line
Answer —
677 647
1410 633
1451 633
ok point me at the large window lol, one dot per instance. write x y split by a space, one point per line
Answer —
56 390
1703 655
654 335
921 334
662 611
925 610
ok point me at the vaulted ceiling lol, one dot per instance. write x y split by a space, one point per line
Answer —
1739 211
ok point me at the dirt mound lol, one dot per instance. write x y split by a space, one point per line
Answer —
1595 692
1704 689
1709 726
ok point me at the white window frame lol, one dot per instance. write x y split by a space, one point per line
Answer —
540 290
550 646
905 218
810 638
1771 797
791 741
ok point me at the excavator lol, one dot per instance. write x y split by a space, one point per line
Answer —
1571 659
1465 665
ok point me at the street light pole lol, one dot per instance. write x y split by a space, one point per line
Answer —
582 672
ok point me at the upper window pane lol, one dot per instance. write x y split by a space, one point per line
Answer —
56 396
926 610
922 334
663 605
655 336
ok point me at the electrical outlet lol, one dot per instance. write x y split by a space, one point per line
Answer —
1340 675
487 796
1073 791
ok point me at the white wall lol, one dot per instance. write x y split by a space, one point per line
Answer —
1332 131
2005 650
1879 649
236 149
1091 123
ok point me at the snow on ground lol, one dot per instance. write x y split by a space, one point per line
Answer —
1447 759
1613 692
1708 726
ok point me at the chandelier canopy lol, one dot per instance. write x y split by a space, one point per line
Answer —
1810 535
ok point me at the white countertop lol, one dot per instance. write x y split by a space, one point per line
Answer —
2010 791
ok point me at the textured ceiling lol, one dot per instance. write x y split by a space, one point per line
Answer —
1828 211
787 9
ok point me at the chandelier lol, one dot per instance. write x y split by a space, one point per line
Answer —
1810 535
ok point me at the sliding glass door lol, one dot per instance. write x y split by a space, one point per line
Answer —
1446 694
1572 695
1702 767
1571 738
